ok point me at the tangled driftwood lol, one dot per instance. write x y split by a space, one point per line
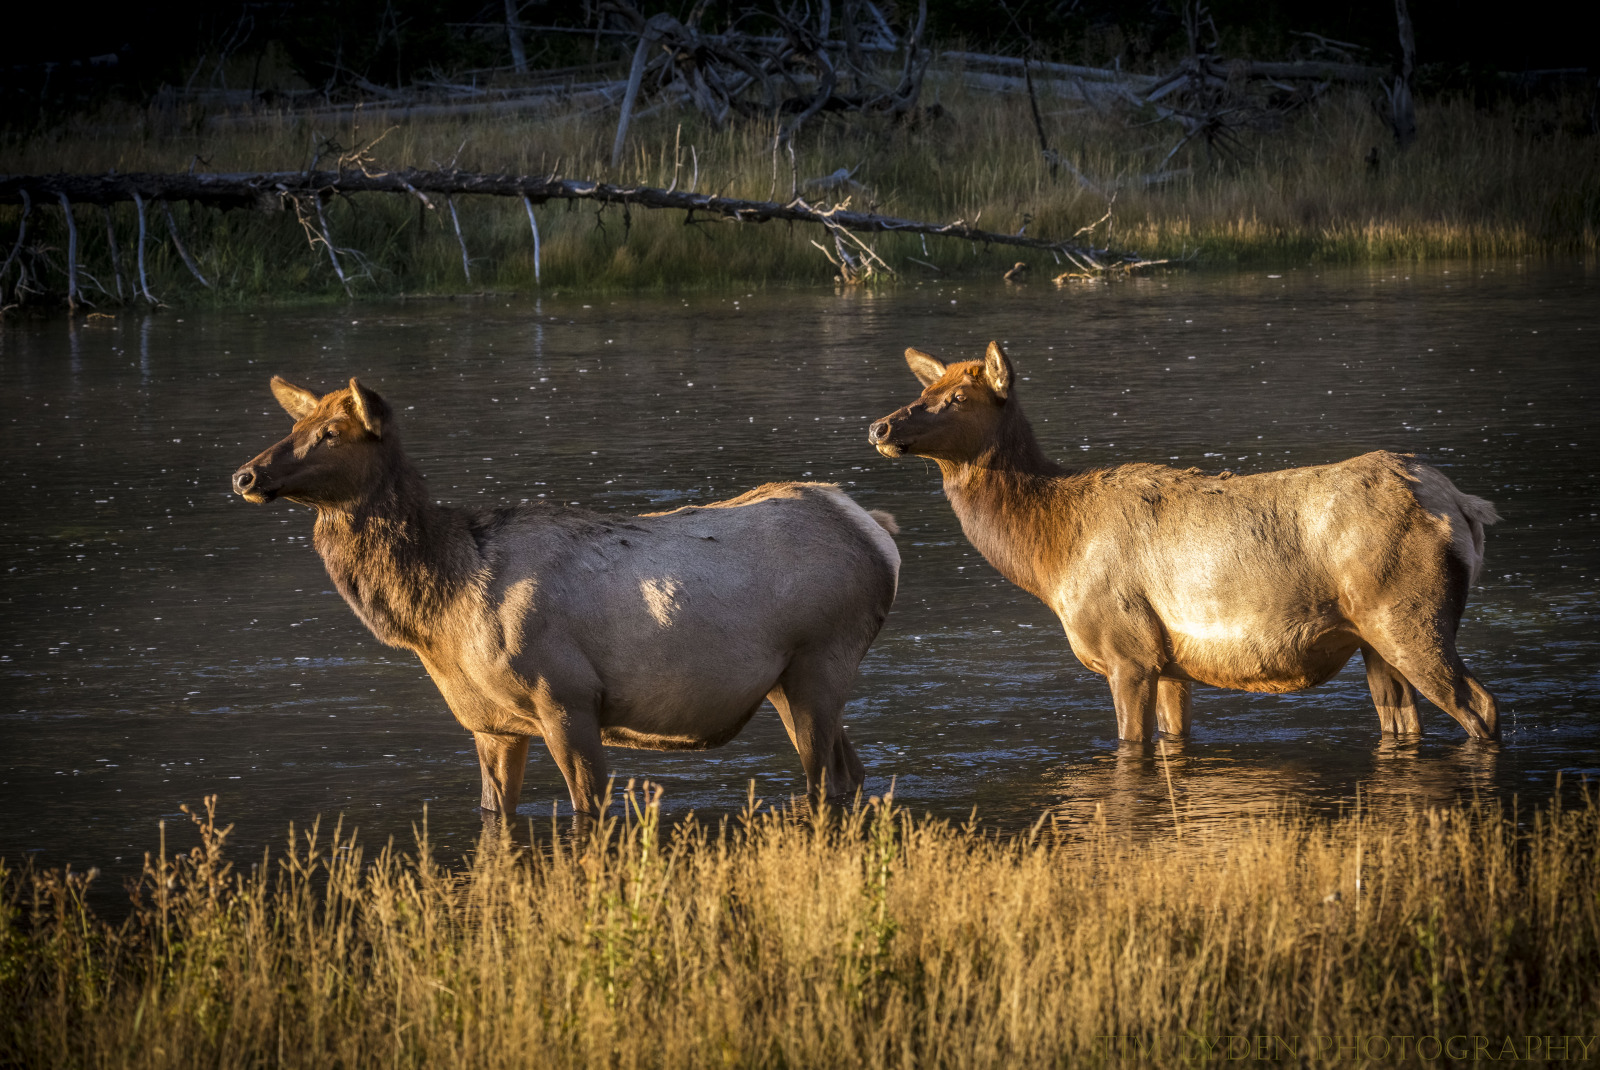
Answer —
798 72
783 62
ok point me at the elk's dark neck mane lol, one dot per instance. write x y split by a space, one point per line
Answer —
396 557
1014 504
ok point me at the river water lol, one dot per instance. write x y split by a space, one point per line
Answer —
161 639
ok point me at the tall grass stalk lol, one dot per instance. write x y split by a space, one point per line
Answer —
1508 180
855 938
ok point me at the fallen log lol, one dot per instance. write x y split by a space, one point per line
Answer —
1098 93
271 190
1314 70
1067 70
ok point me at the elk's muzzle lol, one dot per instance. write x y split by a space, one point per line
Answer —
879 435
248 483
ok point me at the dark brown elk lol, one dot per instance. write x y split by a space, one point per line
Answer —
663 632
1165 578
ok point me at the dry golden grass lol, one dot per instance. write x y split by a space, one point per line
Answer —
862 938
1510 180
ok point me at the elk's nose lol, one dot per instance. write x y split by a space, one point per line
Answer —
878 431
243 480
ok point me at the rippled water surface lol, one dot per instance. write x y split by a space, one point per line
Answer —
161 640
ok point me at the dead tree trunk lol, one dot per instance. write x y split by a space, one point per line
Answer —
519 57
1402 110
658 25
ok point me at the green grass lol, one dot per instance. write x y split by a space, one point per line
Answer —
1511 180
861 938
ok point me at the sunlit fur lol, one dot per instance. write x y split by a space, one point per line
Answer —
1164 578
663 631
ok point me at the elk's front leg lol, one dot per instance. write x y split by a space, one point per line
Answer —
502 759
1116 633
1133 690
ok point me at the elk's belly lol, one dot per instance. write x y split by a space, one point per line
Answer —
1259 652
694 704
705 733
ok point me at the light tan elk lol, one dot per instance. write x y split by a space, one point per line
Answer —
662 632
1163 578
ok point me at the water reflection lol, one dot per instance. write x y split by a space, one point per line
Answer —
1404 778
1141 787
160 640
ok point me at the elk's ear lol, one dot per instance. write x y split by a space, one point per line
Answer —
927 370
297 401
368 407
997 370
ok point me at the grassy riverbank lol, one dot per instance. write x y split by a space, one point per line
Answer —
1515 179
864 939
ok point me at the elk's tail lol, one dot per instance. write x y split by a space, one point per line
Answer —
1480 513
1444 499
886 521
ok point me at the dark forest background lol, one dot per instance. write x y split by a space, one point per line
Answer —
74 59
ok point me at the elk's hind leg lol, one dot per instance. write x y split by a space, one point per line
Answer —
810 697
1393 695
1442 677
844 754
571 730
1174 704
1421 647
1424 653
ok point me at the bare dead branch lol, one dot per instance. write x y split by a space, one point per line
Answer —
534 223
22 233
116 258
144 283
1038 123
74 298
177 243
455 221
327 243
